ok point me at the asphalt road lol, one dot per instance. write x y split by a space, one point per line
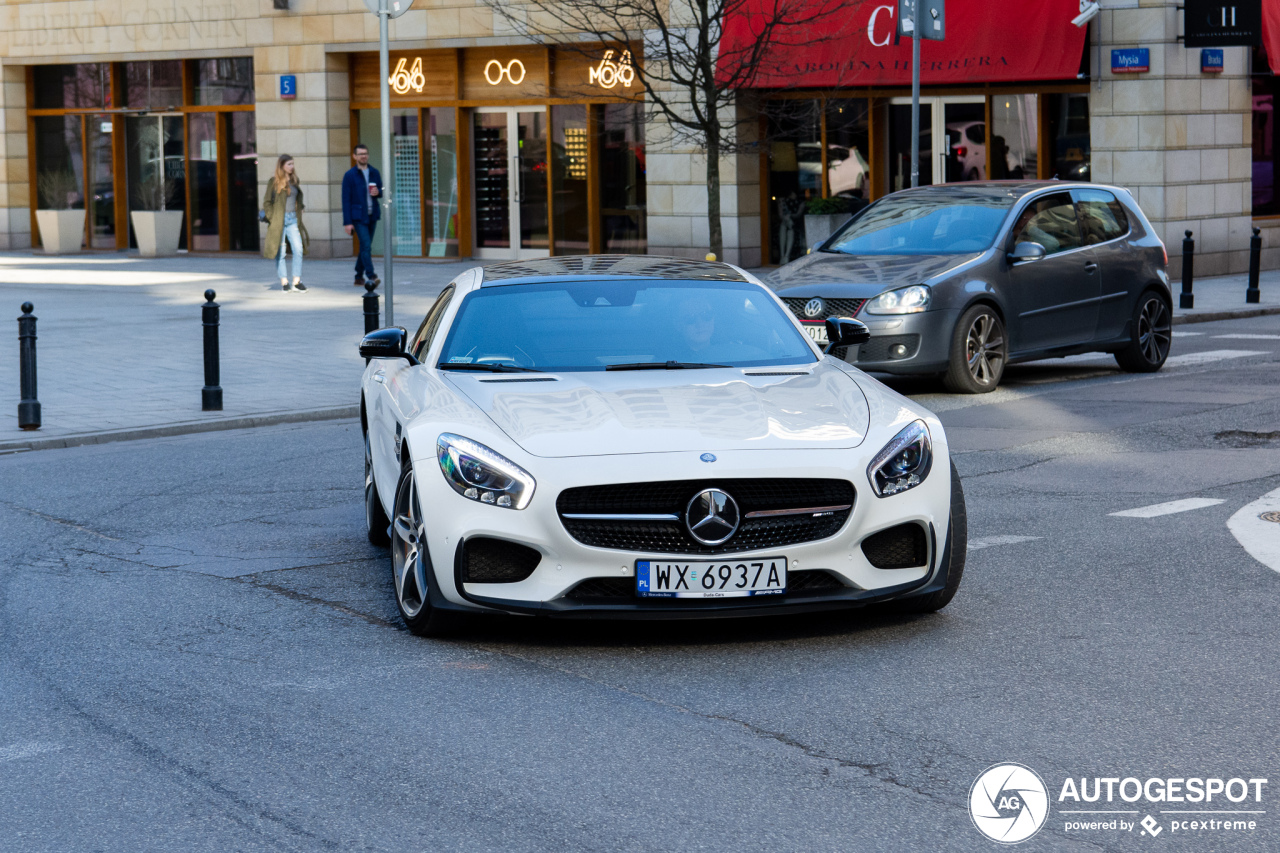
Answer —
199 651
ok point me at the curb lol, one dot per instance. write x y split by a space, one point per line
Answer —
1210 316
187 428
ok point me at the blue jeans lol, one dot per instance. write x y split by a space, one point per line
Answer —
293 237
364 260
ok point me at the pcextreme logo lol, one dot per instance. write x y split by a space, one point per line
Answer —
1009 803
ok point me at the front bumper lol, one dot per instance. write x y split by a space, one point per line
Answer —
926 338
566 562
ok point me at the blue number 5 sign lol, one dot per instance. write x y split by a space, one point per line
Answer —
288 86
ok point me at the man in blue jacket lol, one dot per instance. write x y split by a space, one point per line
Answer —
361 210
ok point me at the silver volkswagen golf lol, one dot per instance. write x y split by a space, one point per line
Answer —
963 279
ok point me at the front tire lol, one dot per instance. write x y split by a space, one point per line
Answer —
958 543
411 569
979 350
1151 332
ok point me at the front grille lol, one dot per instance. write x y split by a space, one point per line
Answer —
673 496
900 547
486 560
807 582
877 349
835 307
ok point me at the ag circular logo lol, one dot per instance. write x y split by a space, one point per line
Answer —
814 307
1008 803
711 516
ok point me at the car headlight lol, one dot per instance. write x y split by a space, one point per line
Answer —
908 300
482 474
903 463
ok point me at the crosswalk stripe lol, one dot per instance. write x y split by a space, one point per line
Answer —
1242 336
1209 356
990 541
1168 508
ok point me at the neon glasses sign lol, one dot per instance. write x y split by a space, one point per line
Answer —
607 73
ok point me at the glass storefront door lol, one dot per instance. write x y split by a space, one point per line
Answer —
957 152
509 149
155 165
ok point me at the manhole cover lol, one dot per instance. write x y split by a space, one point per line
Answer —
1271 516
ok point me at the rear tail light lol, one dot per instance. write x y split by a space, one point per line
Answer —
960 150
1164 252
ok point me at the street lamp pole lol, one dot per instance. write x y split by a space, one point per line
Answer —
384 93
915 94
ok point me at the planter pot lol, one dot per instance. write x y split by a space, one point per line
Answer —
61 231
818 228
157 232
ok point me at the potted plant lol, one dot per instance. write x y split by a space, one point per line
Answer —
822 216
61 226
156 227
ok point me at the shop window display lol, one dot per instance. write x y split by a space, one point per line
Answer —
795 173
622 179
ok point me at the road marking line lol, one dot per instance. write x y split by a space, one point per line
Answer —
1245 337
1169 508
1260 538
989 541
1209 356
1187 335
26 750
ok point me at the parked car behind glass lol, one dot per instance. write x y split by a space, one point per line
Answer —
962 279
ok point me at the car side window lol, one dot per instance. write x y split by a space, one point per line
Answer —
1050 221
1101 216
431 322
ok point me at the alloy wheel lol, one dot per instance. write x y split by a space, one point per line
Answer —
984 349
407 543
1155 330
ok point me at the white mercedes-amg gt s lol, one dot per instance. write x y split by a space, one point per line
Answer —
618 437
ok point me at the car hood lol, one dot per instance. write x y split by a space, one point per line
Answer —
653 411
860 276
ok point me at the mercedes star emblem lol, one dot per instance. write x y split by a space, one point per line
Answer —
712 517
814 307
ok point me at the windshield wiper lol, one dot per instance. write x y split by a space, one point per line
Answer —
662 365
488 368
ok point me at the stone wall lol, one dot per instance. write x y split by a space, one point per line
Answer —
15 188
1178 138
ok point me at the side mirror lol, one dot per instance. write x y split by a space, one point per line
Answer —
386 343
844 332
1026 252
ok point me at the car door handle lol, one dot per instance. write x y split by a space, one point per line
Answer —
1090 267
380 377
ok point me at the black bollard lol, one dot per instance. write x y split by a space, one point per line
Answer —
1252 295
211 393
370 308
29 407
1187 299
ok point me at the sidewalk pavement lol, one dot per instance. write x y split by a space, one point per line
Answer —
121 347
121 342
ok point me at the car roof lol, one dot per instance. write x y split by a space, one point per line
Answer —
595 266
995 190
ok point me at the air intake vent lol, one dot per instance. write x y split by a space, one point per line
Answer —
901 547
486 560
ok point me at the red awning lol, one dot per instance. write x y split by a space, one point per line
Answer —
987 41
1271 33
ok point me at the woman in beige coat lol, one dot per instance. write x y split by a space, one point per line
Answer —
282 210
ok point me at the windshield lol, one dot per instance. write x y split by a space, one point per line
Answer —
921 224
594 325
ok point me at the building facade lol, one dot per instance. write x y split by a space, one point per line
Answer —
506 149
